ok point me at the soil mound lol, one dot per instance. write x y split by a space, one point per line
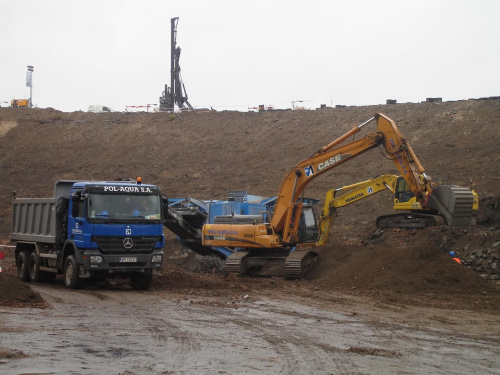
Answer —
400 261
13 293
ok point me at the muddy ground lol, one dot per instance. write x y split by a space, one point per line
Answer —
391 302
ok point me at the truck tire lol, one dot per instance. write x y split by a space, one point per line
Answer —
70 274
141 281
23 266
34 268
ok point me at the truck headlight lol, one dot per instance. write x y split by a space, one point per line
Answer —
157 258
96 259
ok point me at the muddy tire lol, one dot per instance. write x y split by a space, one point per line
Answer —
23 266
141 281
70 274
34 268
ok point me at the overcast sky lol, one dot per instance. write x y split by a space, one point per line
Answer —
239 54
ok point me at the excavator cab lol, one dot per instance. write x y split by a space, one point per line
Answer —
404 199
308 226
402 192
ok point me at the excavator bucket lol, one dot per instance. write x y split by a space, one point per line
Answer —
454 203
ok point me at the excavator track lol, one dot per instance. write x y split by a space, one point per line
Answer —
299 262
235 263
405 221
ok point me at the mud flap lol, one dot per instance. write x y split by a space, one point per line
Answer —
454 203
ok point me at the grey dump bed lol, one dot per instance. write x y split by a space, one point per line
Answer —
36 219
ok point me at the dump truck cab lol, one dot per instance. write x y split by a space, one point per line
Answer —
90 230
116 224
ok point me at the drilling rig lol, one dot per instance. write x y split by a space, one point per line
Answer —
176 93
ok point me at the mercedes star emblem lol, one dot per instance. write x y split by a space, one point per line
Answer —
128 243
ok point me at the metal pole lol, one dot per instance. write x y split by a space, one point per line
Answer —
173 31
30 70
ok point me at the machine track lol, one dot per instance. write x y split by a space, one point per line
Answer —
235 263
299 262
406 221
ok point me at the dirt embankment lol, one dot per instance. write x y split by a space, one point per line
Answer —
206 154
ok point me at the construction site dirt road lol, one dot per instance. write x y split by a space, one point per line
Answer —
118 331
377 302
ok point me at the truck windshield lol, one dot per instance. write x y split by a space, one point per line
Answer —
124 207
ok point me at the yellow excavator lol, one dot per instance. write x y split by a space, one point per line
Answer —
286 235
414 216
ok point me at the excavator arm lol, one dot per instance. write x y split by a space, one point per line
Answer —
346 195
454 203
397 147
282 231
289 205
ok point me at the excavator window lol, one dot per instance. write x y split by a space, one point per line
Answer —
308 227
403 192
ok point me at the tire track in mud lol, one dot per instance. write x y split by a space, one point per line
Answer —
300 350
169 338
430 350
292 352
123 331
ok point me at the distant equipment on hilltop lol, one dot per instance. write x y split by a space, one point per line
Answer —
176 93
26 103
20 103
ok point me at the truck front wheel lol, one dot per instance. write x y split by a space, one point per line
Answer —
23 266
141 281
71 279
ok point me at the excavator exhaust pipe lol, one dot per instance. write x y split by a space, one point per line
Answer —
454 203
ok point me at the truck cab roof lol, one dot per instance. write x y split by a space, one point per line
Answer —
64 187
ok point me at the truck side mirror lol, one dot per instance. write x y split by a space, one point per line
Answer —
164 202
77 197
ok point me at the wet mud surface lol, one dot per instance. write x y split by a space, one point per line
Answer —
118 331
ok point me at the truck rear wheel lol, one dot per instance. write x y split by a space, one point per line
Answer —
23 266
141 281
70 276
34 268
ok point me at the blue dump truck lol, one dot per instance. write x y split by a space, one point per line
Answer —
90 230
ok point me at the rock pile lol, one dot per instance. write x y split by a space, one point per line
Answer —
485 261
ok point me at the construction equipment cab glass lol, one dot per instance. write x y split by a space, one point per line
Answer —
308 226
403 192
104 206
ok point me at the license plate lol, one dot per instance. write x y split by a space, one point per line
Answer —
128 260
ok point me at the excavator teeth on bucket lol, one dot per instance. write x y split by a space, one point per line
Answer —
454 203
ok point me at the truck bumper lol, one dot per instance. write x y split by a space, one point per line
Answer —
95 261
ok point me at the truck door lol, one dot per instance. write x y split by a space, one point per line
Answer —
76 219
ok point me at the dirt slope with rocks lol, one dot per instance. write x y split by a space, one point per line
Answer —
205 155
